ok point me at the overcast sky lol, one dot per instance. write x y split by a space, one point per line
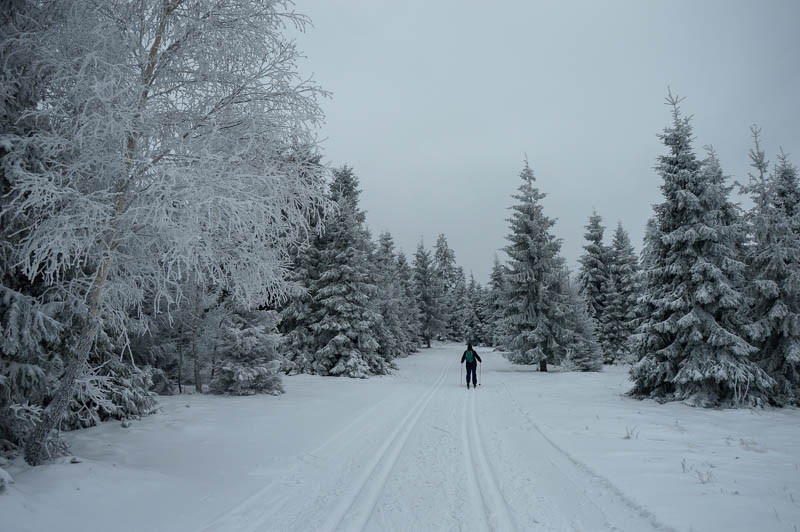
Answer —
435 103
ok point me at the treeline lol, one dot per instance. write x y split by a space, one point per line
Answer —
711 313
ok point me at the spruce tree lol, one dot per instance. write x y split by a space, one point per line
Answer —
446 271
594 274
535 304
248 354
410 315
621 309
429 296
476 314
393 336
582 349
495 304
774 269
690 345
346 320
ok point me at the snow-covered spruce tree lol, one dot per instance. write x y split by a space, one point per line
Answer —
495 304
594 275
690 345
394 335
410 315
535 304
620 319
445 269
297 315
29 323
475 316
773 261
163 144
582 349
346 320
248 356
462 308
429 295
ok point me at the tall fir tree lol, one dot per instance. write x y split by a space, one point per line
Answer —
582 349
410 314
462 308
535 305
475 319
394 335
446 271
621 309
594 274
495 304
691 346
429 296
345 321
774 269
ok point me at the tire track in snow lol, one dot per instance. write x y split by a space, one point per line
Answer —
354 511
495 507
255 510
633 506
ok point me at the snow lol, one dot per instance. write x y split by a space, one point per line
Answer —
416 450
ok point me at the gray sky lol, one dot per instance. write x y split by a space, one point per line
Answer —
436 102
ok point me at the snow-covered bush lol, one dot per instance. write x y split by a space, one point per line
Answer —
248 354
236 379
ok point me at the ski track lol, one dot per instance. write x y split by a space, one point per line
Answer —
353 492
354 511
583 470
250 514
496 512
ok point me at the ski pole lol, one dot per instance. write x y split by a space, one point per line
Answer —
480 375
461 375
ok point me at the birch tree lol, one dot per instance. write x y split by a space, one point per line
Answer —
168 133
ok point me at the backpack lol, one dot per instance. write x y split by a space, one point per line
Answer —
470 354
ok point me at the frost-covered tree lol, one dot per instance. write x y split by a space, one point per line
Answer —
535 305
163 136
395 335
346 320
620 318
29 323
773 260
690 345
582 350
594 274
248 361
410 315
475 315
495 304
447 276
429 295
462 307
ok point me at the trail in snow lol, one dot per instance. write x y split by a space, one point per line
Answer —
411 462
418 451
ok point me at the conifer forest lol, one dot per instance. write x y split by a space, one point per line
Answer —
171 225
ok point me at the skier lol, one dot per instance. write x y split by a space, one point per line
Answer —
472 360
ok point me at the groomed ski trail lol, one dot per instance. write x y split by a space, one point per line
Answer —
432 455
356 508
480 472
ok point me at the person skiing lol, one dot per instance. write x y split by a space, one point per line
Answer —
472 359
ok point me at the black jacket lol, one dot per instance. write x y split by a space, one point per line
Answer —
464 357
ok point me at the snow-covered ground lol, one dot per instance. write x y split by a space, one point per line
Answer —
417 451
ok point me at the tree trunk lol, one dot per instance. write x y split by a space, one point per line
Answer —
40 446
198 380
543 365
180 363
428 340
